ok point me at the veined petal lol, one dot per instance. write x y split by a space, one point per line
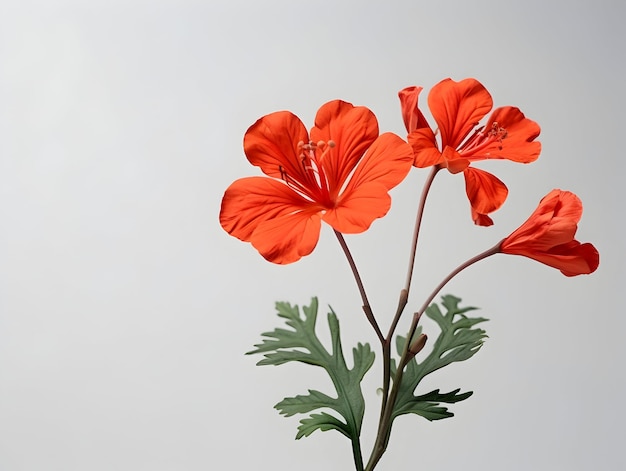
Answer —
458 107
485 191
411 114
535 227
481 219
425 148
248 202
553 223
288 237
563 222
571 259
358 207
517 137
387 161
353 129
272 143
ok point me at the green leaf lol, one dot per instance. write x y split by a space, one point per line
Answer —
301 344
302 404
323 422
459 340
427 405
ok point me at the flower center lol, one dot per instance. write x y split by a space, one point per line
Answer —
311 182
482 139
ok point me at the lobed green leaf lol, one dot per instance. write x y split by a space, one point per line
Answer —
301 344
459 340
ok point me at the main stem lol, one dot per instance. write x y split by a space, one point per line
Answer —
384 429
404 294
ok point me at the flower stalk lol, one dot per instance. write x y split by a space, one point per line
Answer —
357 277
384 429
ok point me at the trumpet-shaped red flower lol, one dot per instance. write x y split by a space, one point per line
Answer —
341 173
458 107
548 236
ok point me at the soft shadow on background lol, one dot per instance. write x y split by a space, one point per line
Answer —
125 309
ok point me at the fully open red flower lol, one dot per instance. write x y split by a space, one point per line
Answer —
458 107
548 236
341 174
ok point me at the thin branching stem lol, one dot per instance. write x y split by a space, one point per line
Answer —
418 224
384 429
366 304
481 256
404 294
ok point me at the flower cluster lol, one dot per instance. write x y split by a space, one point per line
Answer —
341 173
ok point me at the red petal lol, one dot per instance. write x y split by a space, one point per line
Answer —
365 198
571 259
411 114
458 107
353 129
425 148
249 202
359 207
485 191
287 238
481 219
387 161
553 223
272 143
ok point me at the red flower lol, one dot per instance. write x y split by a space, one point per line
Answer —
548 236
341 174
457 108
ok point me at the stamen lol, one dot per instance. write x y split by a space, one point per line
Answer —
481 139
293 183
311 181
498 133
325 149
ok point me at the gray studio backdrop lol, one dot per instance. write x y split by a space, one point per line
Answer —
125 309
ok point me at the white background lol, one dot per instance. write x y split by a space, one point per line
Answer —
125 309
